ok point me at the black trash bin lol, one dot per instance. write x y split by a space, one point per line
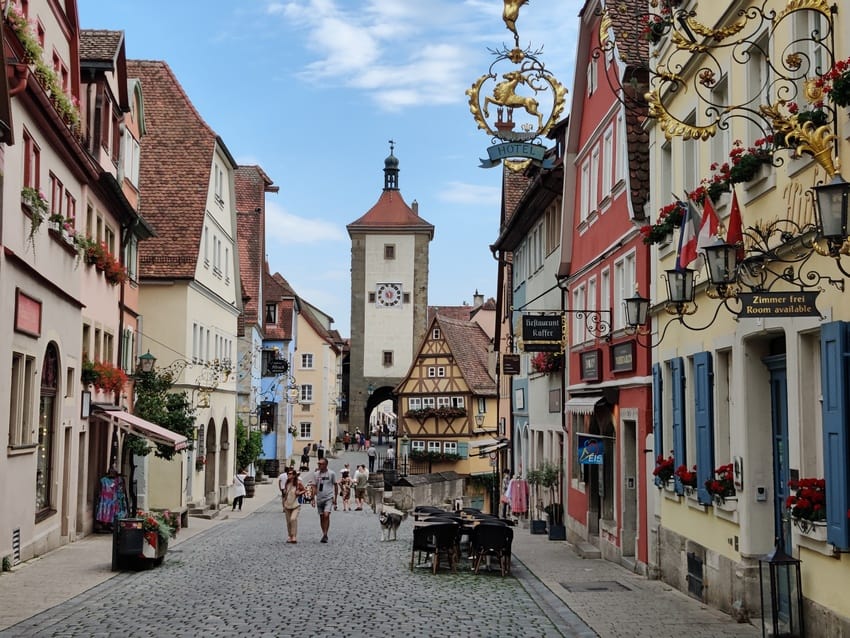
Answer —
389 479
128 539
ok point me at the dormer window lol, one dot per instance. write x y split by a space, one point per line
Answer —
271 313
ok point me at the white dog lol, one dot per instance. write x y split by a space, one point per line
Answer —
390 520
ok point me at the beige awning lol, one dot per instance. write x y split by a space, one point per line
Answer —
483 442
582 405
136 425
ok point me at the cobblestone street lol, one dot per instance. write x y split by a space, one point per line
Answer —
241 578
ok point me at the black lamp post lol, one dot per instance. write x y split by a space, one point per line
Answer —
831 211
781 594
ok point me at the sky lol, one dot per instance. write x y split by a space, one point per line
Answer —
313 90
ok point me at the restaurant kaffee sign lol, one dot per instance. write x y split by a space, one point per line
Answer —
542 333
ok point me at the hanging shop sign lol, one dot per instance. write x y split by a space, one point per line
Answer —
590 450
510 364
524 95
542 333
779 304
278 366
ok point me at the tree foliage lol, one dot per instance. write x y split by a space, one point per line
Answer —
157 404
249 445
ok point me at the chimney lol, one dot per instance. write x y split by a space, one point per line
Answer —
477 299
415 207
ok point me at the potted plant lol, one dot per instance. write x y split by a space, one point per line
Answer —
688 478
836 83
200 463
747 161
110 378
722 486
538 525
663 471
547 362
669 218
158 528
807 504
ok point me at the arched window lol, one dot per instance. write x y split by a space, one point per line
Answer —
46 430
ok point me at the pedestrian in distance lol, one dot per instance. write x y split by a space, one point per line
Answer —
346 440
345 488
389 462
238 489
372 453
320 451
325 495
361 481
291 490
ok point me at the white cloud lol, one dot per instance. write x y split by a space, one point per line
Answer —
287 228
460 193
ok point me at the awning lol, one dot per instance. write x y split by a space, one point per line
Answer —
582 405
483 442
136 425
488 446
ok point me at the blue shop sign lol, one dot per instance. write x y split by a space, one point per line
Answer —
590 450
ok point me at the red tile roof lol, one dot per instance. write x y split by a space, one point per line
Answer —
176 156
390 213
471 349
251 184
100 44
277 290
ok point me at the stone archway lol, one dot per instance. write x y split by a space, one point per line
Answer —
210 491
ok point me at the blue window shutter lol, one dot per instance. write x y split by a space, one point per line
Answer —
834 386
677 374
657 414
704 422
463 449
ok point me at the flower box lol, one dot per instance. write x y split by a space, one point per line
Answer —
155 546
816 530
728 504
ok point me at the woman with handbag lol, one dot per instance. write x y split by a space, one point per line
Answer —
291 488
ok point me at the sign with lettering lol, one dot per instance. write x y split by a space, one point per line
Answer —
591 365
27 314
514 149
510 364
542 333
779 304
590 450
623 357
278 366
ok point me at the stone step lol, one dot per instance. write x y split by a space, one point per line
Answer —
208 513
586 550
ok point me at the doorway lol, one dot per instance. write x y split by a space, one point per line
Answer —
776 366
629 488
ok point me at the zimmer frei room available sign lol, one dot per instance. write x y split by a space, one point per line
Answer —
779 304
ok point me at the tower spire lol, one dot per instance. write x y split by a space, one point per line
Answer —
391 170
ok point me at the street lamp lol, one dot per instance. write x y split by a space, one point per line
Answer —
479 419
146 362
831 211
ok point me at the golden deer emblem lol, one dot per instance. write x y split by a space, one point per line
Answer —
504 94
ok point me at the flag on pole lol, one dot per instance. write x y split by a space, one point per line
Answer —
735 232
688 236
708 228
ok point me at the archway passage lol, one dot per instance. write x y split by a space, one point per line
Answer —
375 399
210 465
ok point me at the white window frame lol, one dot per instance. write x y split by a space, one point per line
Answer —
305 430
622 150
460 402
594 179
429 403
624 287
434 446
414 403
307 361
441 372
306 393
450 447
417 446
443 402
585 190
22 382
432 372
579 299
609 161
436 334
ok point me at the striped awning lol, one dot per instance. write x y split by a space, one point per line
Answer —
582 405
138 426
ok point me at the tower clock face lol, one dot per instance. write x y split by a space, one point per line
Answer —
388 295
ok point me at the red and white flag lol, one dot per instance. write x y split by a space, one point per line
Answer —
708 228
688 237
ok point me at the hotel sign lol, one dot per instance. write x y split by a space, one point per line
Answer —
591 365
779 304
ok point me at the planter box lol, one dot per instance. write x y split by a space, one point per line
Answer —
728 504
557 532
538 527
816 530
154 547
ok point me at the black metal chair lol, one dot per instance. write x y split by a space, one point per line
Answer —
492 540
437 539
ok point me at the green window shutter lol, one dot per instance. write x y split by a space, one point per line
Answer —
463 449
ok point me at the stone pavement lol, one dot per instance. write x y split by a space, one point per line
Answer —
235 576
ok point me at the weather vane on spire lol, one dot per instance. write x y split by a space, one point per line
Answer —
392 146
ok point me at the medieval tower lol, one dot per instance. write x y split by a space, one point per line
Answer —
389 295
